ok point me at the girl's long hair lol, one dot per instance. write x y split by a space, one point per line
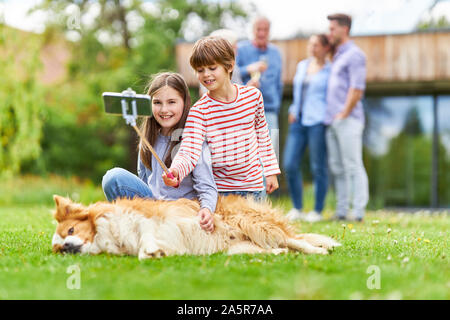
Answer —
150 127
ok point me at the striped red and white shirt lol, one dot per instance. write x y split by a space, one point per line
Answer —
238 137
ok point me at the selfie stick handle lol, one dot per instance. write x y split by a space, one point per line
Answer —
168 173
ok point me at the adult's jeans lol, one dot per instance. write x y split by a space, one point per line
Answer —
120 183
299 137
344 143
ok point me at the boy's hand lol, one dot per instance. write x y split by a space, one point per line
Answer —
206 219
171 182
271 184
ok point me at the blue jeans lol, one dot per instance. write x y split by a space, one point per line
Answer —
257 195
120 183
299 137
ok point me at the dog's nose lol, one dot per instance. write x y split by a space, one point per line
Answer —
70 248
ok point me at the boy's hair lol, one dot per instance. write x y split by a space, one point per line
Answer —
212 50
150 127
342 19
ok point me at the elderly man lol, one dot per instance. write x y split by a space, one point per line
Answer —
259 63
345 120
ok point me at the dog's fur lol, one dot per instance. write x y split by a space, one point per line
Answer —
154 228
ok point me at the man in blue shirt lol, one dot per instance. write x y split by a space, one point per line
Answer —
345 119
259 63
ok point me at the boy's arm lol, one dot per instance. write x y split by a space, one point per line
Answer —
265 147
203 179
191 144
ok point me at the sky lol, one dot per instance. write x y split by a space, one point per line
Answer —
291 17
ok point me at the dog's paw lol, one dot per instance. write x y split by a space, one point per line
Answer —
278 251
318 250
151 253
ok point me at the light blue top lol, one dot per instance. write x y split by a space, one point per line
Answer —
313 103
198 184
271 84
347 71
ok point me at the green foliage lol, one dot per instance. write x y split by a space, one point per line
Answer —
433 24
78 137
119 48
21 101
28 190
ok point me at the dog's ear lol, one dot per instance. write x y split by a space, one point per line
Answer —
61 201
65 208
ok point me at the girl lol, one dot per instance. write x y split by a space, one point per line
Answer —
230 117
170 107
306 128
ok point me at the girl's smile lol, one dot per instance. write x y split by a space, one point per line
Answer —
167 108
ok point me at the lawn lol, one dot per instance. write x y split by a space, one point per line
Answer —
407 253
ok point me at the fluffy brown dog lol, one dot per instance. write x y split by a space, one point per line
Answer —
154 228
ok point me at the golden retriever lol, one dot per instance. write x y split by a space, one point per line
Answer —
155 228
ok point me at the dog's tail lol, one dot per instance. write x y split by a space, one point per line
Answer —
259 221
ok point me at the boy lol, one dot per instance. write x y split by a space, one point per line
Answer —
230 117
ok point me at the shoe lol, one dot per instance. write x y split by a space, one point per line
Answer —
356 218
338 218
313 216
295 215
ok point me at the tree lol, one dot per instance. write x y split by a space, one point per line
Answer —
115 45
21 101
433 24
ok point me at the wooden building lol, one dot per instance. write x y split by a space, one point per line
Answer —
419 61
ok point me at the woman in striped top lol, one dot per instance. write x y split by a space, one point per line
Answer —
231 119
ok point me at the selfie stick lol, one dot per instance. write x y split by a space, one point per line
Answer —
131 120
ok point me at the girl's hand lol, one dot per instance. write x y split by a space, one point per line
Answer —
271 184
171 182
206 219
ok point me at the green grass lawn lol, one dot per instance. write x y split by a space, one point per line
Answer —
410 254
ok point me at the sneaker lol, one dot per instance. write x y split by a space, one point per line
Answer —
295 214
338 218
354 218
313 216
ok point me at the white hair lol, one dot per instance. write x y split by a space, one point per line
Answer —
260 18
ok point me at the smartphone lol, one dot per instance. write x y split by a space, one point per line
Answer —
113 103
